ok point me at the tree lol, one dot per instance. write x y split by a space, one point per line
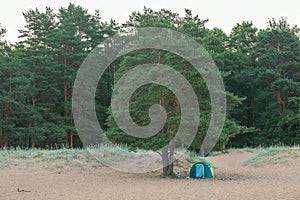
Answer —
151 94
15 84
277 55
76 35
239 64
35 54
3 116
38 74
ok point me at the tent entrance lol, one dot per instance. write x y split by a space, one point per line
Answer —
199 171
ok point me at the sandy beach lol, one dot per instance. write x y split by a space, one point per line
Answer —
232 180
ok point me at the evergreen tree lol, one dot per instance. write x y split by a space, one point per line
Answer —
151 94
76 35
277 55
35 53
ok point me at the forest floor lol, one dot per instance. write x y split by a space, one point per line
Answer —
239 174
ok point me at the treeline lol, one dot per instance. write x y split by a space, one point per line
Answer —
260 68
37 76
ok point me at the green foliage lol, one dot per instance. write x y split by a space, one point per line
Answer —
277 53
39 72
151 94
260 69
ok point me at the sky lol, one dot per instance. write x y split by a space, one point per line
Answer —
223 14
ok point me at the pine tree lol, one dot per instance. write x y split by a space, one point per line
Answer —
151 94
277 55
76 35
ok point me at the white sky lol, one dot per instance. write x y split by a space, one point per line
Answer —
221 13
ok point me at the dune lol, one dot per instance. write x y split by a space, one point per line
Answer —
233 180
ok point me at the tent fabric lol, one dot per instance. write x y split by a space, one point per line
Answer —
201 170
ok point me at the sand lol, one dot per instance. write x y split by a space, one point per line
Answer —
232 181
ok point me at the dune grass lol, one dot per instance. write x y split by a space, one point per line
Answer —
82 159
51 159
273 155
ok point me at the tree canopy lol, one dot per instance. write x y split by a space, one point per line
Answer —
260 69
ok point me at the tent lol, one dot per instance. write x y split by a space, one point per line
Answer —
201 170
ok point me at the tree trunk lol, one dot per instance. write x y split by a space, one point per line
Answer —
0 138
282 103
6 108
202 151
34 125
65 101
1 130
165 160
71 132
168 160
171 159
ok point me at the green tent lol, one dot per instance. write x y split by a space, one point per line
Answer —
201 170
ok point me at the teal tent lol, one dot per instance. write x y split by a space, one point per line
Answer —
201 170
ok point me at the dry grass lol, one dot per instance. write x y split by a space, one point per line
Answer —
50 159
273 155
82 159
